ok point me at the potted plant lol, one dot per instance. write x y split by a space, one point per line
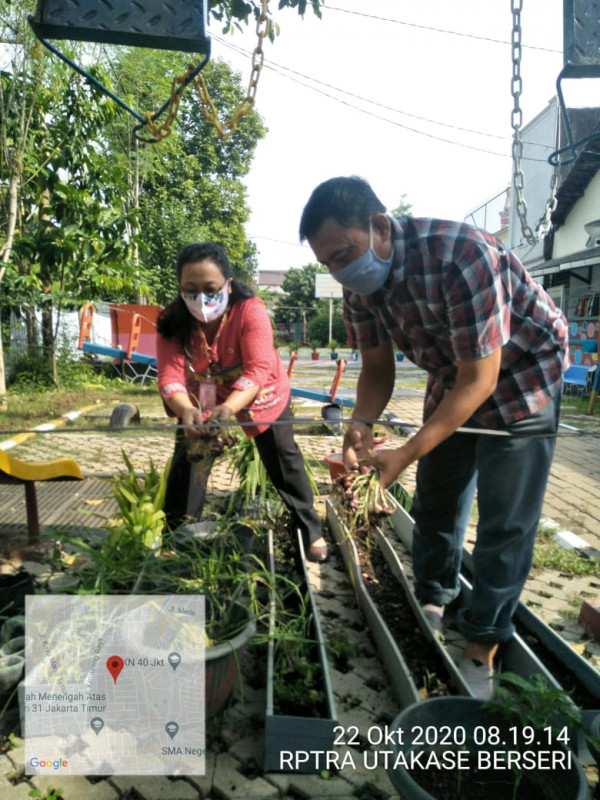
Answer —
333 346
399 355
139 556
314 351
495 755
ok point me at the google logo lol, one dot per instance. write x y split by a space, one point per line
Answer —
57 763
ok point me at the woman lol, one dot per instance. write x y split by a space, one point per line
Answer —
215 351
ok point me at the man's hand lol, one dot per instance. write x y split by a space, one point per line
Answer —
358 442
390 464
192 416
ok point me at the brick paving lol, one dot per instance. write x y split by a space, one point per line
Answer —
362 696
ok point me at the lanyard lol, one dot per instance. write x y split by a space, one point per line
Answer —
210 351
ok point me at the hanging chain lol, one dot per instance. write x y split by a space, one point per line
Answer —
226 129
516 121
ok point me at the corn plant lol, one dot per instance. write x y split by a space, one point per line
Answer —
131 539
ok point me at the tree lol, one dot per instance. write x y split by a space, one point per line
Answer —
404 208
69 239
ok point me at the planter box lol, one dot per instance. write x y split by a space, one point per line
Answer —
400 676
518 657
286 733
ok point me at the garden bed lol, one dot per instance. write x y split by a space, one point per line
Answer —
417 664
301 711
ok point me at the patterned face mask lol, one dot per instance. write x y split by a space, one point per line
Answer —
207 307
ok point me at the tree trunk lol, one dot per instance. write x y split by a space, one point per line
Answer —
13 194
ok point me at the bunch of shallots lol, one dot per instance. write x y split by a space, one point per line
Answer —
364 497
209 442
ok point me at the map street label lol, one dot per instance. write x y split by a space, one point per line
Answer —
108 678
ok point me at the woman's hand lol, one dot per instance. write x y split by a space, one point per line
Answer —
191 416
358 442
222 412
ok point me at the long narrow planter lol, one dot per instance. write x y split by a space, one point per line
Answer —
402 683
518 656
285 734
398 671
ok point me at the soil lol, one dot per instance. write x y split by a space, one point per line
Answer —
475 785
422 658
299 688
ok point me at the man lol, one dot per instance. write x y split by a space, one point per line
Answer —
494 345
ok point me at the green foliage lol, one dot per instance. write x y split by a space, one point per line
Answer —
133 539
299 288
254 484
534 701
318 328
548 554
49 794
403 208
235 13
31 373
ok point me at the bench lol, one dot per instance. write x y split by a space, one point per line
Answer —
27 473
578 379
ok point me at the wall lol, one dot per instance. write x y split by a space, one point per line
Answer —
571 237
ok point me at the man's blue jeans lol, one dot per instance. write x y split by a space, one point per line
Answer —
510 474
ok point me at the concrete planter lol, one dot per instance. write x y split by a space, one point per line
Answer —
286 733
468 716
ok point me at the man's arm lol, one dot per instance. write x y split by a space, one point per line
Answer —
373 391
475 382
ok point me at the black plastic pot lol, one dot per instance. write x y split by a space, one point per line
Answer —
13 589
464 725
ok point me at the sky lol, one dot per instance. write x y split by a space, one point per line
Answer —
382 90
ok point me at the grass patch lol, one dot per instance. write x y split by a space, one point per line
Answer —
27 409
548 554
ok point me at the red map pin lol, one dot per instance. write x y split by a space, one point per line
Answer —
114 665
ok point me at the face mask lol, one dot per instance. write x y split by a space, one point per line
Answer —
367 273
207 307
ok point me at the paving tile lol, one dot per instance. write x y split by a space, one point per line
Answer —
228 781
149 787
75 787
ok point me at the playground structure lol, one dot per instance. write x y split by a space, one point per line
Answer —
134 327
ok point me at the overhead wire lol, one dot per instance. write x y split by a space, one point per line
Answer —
277 69
439 30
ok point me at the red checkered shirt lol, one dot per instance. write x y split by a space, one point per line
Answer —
455 293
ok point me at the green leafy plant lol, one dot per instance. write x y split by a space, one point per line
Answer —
114 565
49 794
333 345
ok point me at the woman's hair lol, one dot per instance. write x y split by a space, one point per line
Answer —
175 321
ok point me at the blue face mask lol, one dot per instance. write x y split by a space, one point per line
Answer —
367 273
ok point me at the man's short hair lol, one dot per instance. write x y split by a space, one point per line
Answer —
349 201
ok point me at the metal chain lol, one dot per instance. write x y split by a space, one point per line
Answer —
226 129
516 121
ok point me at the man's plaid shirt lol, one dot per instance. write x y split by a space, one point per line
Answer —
455 293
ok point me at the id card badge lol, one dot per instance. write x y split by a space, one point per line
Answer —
207 395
